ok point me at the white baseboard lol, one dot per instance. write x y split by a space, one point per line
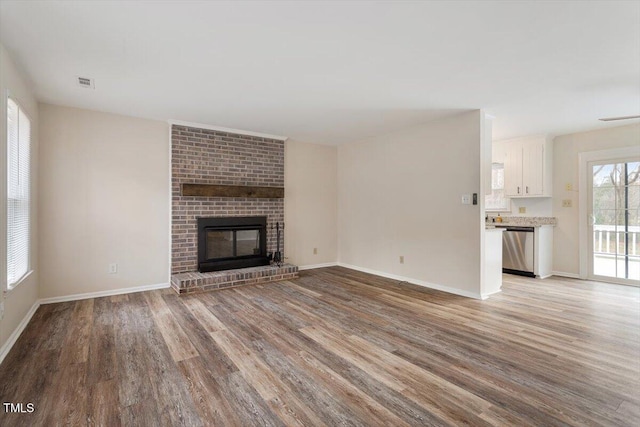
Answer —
120 291
564 274
435 286
312 266
18 331
488 294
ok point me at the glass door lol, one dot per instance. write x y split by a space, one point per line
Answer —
614 227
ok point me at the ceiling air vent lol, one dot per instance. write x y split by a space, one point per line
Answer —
86 82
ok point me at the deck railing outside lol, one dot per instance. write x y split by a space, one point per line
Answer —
609 252
609 239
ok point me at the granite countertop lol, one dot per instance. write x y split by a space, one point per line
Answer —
524 221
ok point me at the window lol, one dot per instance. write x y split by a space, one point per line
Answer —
18 192
496 201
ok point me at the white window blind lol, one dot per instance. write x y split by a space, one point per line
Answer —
18 192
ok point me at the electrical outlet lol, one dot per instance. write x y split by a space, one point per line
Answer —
569 187
466 199
315 251
113 268
401 259
566 203
522 209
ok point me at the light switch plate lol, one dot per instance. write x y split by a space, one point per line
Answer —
522 209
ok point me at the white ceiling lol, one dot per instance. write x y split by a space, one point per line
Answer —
332 72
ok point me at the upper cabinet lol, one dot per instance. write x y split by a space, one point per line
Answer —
527 166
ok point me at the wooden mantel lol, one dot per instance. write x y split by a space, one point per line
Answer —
210 190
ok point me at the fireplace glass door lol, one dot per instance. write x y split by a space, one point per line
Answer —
220 244
232 243
247 242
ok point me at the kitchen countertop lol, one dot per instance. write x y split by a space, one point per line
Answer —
524 221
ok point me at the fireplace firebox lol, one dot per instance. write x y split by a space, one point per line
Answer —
232 242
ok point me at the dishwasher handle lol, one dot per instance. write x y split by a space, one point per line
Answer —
523 229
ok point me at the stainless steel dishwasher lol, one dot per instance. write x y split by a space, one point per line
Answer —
518 250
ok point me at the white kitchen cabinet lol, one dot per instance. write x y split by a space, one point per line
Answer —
543 247
528 167
492 271
512 169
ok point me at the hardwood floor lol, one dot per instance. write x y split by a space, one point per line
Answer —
335 347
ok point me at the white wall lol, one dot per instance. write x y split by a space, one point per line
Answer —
400 195
310 204
20 299
105 198
566 247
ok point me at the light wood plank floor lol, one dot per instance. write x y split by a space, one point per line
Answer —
335 347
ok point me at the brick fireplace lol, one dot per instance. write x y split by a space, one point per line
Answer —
211 157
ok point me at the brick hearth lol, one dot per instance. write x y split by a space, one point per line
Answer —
187 283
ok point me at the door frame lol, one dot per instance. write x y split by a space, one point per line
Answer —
613 155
